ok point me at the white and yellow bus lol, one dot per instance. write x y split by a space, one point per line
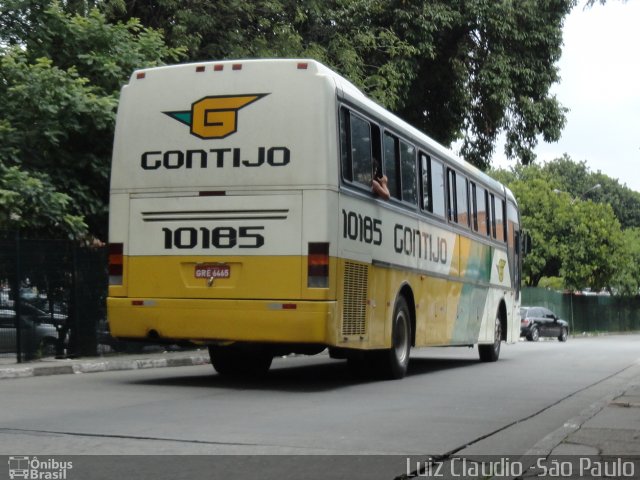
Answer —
242 218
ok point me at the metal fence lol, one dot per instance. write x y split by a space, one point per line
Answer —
588 313
52 297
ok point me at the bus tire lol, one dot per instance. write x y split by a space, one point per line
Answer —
395 361
240 360
491 352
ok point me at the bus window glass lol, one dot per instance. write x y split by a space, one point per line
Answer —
481 208
391 164
512 226
437 188
492 223
408 164
451 200
361 150
425 183
473 206
347 173
462 204
500 219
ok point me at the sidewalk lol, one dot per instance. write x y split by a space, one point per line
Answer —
52 366
604 435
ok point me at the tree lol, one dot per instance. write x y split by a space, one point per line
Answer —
543 215
61 74
453 68
579 181
626 280
29 202
576 239
592 248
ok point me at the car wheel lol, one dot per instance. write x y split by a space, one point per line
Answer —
534 334
564 334
491 353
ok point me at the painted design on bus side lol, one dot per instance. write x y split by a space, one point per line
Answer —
500 266
215 116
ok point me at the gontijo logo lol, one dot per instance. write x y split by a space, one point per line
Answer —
215 117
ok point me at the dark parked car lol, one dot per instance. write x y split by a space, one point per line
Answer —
39 329
536 322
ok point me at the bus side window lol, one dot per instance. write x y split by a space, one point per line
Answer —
474 206
451 200
492 226
458 198
462 203
345 158
500 221
361 150
408 170
437 188
425 183
481 210
391 162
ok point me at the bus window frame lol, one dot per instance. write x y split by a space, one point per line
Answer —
394 181
452 198
425 170
411 202
346 147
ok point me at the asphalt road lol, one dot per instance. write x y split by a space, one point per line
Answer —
449 402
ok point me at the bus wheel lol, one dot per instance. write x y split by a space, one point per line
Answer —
395 361
491 353
240 360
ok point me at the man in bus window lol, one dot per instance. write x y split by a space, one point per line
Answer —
379 185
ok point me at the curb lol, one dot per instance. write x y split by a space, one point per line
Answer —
547 444
102 365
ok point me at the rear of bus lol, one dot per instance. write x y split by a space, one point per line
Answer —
224 206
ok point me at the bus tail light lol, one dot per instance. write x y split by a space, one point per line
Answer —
318 265
115 263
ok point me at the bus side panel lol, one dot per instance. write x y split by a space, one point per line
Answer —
475 272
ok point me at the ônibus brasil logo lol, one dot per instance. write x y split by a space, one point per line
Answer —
215 117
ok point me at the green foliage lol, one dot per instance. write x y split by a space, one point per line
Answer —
552 283
61 74
626 281
455 69
575 232
543 215
592 246
30 202
576 179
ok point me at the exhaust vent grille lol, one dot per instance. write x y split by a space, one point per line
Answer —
356 283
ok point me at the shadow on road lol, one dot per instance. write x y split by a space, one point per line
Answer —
306 377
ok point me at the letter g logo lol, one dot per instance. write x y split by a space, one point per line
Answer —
215 117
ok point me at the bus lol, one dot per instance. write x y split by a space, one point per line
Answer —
242 218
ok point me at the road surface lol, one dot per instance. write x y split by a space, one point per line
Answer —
448 403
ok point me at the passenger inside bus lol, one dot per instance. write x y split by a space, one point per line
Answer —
379 185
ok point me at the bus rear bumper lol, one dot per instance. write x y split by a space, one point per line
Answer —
209 321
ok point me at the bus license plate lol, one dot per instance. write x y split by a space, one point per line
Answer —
212 271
